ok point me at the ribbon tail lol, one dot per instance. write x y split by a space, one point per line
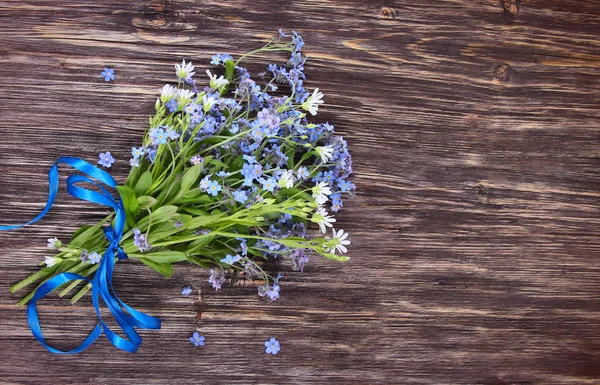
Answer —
102 288
33 319
53 190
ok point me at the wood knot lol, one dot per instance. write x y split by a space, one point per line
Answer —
511 7
388 13
482 192
503 72
156 15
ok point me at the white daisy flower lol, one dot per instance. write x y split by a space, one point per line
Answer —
184 70
184 97
325 153
312 103
50 261
339 241
320 192
208 103
286 180
322 218
216 83
54 243
167 93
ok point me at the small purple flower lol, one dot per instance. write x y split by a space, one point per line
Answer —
272 292
196 159
272 346
231 259
235 128
244 247
196 117
268 184
172 105
256 171
216 279
240 196
172 134
299 259
106 159
186 291
94 258
151 154
137 152
344 185
197 339
84 255
213 188
108 74
140 241
302 173
158 136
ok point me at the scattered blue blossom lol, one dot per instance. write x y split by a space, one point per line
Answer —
106 159
216 279
197 339
272 346
186 291
108 74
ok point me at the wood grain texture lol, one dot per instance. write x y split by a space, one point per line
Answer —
474 126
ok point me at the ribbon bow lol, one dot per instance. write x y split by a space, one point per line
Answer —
102 288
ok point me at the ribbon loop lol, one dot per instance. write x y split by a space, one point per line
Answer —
102 287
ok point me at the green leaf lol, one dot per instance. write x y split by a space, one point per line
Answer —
146 201
218 163
237 163
81 238
43 273
79 231
286 193
173 191
80 293
197 197
129 198
229 69
143 184
195 211
132 177
190 177
340 258
163 213
130 203
165 269
162 256
291 155
198 244
197 261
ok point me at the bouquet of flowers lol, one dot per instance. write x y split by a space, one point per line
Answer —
226 177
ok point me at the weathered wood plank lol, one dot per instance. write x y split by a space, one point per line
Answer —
474 129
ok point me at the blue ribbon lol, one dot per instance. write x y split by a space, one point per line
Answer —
102 288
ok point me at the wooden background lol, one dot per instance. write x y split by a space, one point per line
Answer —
474 126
